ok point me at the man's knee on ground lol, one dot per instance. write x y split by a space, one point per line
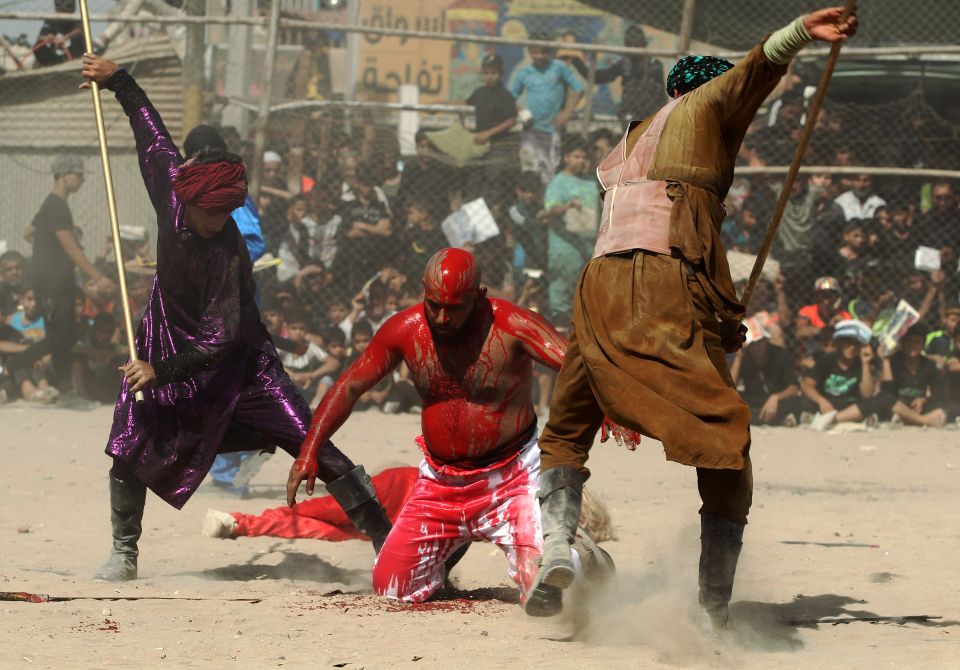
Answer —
398 584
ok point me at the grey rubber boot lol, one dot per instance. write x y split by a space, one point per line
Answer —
560 495
597 564
358 498
720 543
127 498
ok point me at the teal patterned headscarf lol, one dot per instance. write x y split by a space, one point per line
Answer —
692 71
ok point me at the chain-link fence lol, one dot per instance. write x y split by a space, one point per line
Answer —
396 127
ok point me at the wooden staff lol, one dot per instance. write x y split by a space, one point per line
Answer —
812 115
111 199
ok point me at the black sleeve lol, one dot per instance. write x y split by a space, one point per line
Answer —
607 74
472 100
603 75
815 372
10 334
892 386
935 379
784 374
158 156
819 373
506 108
577 64
384 212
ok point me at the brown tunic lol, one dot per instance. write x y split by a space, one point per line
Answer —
697 153
645 348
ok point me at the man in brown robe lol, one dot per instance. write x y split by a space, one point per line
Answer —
655 311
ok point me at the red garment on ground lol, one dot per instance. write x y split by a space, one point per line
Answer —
322 518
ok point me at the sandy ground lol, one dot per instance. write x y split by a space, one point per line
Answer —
893 490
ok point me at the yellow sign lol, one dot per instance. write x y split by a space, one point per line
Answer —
386 63
553 8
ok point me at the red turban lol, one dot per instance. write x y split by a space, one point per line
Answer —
220 185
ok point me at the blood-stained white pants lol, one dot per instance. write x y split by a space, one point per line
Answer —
450 507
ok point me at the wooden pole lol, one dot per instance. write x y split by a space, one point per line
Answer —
263 115
111 199
784 198
588 96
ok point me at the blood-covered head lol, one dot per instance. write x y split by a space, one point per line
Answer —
451 291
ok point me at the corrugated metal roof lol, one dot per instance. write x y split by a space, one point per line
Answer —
43 108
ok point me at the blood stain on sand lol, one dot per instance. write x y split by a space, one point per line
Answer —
368 605
106 626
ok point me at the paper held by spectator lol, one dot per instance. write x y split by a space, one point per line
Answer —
456 142
471 224
582 221
133 233
741 265
903 317
927 259
757 327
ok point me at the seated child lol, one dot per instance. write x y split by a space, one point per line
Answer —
305 362
915 383
842 385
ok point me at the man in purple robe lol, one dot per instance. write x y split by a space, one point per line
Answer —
209 372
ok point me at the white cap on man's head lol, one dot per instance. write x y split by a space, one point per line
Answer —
67 164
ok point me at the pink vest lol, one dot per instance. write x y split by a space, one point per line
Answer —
636 210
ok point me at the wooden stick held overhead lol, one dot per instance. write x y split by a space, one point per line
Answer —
111 199
808 127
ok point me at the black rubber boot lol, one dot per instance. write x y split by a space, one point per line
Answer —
561 493
720 543
358 499
127 498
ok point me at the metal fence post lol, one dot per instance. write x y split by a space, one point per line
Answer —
263 114
686 27
193 68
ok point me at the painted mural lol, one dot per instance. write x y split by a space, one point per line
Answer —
448 72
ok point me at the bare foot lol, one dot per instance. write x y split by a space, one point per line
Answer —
937 418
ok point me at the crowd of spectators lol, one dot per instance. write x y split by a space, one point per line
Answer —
347 225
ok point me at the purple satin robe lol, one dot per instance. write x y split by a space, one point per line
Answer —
201 306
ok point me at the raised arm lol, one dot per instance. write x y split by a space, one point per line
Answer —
741 91
603 75
381 357
159 156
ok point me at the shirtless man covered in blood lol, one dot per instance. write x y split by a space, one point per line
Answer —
471 359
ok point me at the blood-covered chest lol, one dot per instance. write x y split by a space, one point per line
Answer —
475 371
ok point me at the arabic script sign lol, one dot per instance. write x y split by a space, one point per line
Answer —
386 63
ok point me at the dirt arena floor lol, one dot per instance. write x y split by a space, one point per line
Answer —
856 524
